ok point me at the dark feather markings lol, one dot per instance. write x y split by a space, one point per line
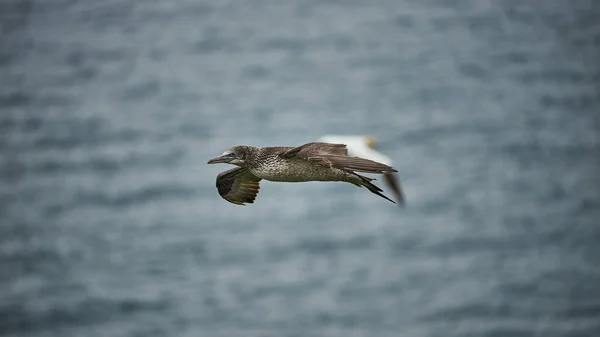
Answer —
238 186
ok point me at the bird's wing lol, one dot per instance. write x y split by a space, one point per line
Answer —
357 147
394 183
354 164
238 185
315 148
335 155
363 151
391 179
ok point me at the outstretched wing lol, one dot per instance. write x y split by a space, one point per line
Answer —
238 186
315 148
394 184
336 155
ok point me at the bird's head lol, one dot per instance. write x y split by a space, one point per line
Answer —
236 155
370 141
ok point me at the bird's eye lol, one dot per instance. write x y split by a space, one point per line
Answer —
231 155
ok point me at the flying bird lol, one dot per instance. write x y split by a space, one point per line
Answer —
309 162
362 146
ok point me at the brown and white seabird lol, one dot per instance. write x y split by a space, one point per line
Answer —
363 146
308 162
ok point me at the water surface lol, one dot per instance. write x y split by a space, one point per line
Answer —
111 224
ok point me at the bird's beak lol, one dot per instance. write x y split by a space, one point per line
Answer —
220 159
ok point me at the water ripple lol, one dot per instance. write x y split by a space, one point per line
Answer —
153 193
89 311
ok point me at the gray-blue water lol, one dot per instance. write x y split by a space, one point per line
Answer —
111 224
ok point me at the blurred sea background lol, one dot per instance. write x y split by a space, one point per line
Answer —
111 225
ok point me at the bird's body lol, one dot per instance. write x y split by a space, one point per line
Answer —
308 162
270 166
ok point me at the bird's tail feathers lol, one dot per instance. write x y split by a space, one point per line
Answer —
366 182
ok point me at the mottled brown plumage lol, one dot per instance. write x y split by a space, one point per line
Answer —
308 162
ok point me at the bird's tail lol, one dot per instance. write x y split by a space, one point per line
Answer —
366 182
